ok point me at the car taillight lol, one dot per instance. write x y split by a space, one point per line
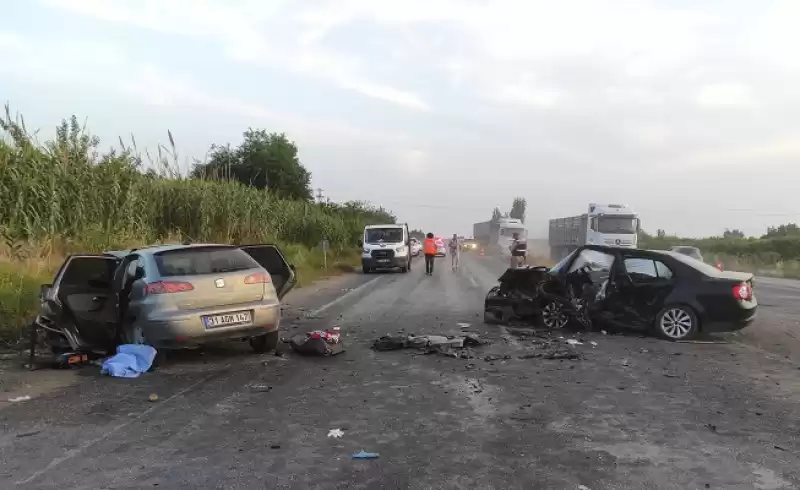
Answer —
258 278
743 291
165 287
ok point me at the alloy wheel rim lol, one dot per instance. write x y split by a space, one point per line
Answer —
676 323
553 316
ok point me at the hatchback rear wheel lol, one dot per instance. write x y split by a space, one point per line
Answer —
677 323
265 343
134 334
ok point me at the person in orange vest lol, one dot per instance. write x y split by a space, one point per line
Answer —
429 248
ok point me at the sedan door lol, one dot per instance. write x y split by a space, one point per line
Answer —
272 259
641 287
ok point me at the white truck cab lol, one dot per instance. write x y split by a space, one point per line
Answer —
386 247
507 227
615 225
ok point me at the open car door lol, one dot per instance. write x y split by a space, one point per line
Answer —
83 287
271 258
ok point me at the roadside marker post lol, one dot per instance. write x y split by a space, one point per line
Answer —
324 244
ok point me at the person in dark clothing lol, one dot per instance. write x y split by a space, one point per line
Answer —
429 248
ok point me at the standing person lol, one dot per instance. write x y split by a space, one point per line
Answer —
455 252
519 249
429 248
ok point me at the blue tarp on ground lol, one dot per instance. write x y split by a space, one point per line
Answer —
130 361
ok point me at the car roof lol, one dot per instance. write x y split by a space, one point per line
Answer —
164 247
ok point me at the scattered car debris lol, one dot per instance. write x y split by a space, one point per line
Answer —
463 326
574 342
260 388
365 455
33 433
130 361
318 343
17 399
153 397
450 346
335 433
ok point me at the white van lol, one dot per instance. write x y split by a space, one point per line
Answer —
385 247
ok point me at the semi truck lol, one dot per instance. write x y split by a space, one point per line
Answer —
497 235
616 225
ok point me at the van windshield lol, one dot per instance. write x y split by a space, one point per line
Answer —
390 235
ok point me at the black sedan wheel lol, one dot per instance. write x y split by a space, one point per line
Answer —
677 323
553 315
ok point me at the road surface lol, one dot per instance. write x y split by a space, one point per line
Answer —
634 413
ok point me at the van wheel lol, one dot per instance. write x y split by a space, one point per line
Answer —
265 343
677 322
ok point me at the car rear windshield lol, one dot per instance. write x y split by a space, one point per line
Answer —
694 263
197 261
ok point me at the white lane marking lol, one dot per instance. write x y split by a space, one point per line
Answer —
473 281
324 308
77 451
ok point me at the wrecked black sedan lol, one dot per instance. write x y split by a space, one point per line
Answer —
665 292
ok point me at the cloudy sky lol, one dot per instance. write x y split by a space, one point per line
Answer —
686 110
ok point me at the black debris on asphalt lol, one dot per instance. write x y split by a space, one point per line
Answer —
459 347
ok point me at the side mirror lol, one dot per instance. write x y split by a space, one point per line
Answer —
44 290
291 266
360 243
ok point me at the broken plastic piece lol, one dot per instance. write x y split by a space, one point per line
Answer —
364 455
23 398
336 433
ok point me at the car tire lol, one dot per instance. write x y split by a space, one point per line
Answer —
135 335
265 343
552 315
677 322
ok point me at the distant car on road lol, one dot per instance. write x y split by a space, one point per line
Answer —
666 292
469 244
167 296
441 251
692 252
416 247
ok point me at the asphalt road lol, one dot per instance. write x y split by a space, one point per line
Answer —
634 413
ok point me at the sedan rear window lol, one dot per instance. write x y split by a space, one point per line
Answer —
197 261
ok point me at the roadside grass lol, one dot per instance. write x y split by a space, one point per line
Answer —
66 196
788 269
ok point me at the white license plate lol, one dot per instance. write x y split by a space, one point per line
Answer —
383 261
224 320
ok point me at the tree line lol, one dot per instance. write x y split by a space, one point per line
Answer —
517 211
780 242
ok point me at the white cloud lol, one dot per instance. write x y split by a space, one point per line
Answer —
525 95
732 95
252 32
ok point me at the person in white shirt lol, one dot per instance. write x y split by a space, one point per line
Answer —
519 249
455 251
